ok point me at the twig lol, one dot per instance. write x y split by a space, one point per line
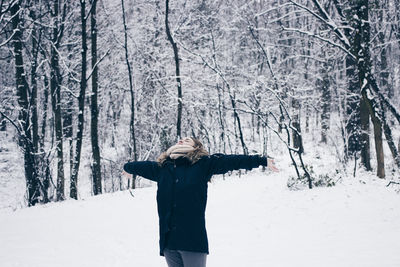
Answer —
344 49
97 63
392 182
17 128
130 191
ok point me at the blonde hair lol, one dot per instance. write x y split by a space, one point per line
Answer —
193 156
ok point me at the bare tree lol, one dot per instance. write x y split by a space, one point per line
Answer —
131 90
96 165
357 48
177 71
55 88
25 134
81 104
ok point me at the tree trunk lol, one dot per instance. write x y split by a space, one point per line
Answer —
389 138
3 124
68 130
34 94
237 119
384 77
377 135
41 163
221 116
55 87
177 71
364 109
265 138
22 89
380 157
398 145
383 63
326 102
362 40
352 108
96 167
45 107
81 106
364 136
132 121
296 134
46 166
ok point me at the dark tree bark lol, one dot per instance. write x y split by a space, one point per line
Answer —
380 157
361 50
361 47
81 105
352 109
237 119
68 126
45 110
364 135
353 98
384 77
296 131
326 102
372 105
389 138
41 162
46 162
55 88
221 116
3 124
177 71
383 60
34 94
357 124
96 167
22 88
132 93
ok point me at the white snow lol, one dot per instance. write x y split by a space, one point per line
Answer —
251 221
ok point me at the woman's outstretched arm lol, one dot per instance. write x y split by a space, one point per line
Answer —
147 169
220 163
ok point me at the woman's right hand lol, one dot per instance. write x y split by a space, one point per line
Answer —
126 175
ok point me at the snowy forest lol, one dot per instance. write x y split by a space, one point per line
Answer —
89 85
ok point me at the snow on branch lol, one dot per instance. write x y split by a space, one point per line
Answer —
322 39
390 106
7 40
324 17
97 63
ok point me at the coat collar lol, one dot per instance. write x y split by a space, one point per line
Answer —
178 162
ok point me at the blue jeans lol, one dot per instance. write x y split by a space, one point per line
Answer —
181 258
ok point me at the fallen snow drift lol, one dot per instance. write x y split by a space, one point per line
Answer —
252 221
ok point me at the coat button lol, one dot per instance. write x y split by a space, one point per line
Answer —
176 181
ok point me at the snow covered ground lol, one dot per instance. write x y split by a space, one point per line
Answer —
253 220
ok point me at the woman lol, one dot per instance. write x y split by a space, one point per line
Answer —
182 174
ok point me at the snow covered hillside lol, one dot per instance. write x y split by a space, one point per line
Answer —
252 221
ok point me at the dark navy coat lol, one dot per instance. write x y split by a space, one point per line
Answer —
182 195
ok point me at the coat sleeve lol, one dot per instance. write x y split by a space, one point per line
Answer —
220 163
147 169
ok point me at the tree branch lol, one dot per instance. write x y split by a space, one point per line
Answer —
322 39
327 20
97 63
